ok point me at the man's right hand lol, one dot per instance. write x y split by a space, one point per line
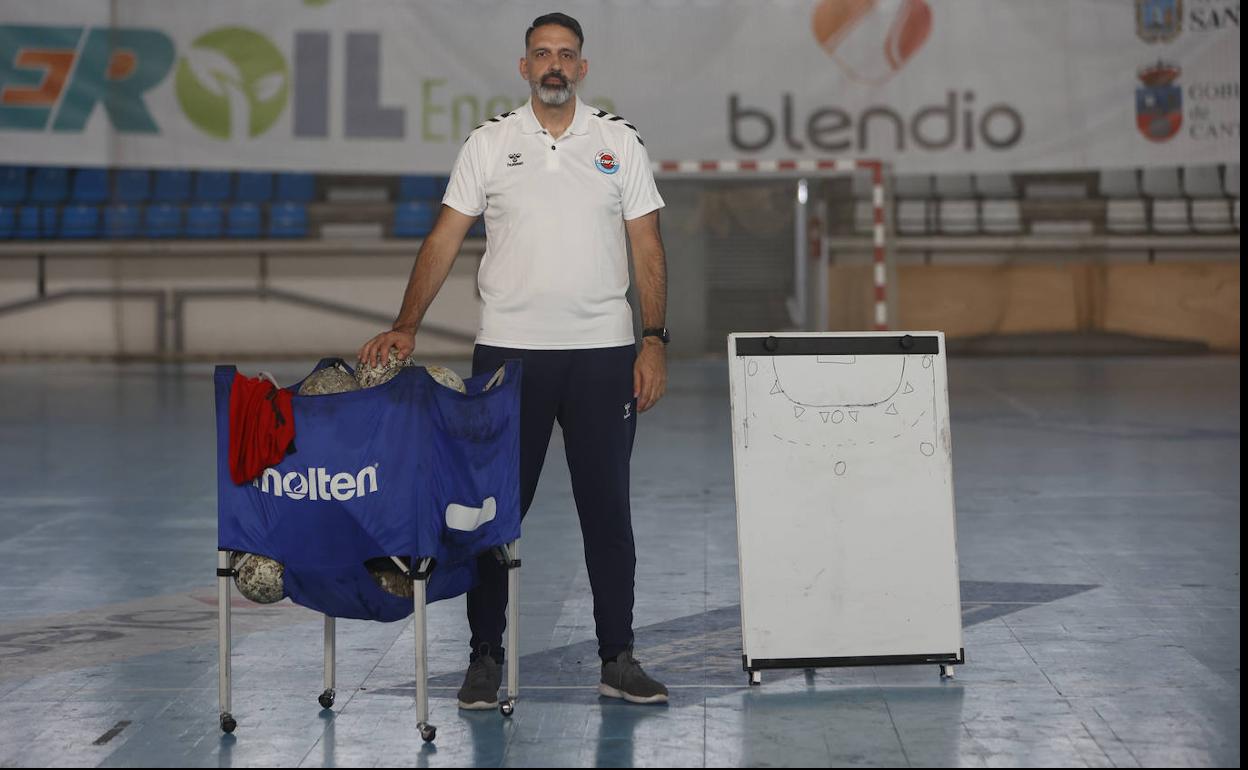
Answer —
433 263
377 350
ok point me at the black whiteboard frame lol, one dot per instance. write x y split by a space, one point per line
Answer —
879 345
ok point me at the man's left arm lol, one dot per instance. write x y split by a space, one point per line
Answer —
650 269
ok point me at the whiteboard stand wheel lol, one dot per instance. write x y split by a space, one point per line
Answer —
946 672
756 678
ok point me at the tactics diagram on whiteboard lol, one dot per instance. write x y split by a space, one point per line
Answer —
842 403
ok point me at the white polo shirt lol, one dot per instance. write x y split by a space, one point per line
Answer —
555 269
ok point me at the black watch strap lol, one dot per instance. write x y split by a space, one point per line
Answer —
658 331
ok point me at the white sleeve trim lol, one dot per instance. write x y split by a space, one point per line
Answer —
643 210
461 208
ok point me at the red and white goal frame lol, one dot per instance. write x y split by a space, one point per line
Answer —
807 247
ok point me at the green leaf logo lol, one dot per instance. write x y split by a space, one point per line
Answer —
238 61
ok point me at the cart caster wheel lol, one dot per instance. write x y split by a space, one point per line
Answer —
326 699
756 678
507 708
428 732
227 723
946 672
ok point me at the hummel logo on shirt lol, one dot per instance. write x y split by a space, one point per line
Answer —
514 160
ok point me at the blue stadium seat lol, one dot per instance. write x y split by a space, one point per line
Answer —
79 221
212 186
122 221
171 186
254 187
203 220
288 220
296 188
49 185
49 216
28 225
162 220
133 185
413 219
243 221
421 188
13 184
8 222
90 186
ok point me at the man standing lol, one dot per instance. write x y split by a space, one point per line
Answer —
560 185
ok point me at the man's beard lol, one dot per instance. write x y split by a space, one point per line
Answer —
555 96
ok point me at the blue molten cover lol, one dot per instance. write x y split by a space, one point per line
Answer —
407 468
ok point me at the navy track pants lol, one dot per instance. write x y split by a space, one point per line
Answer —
590 392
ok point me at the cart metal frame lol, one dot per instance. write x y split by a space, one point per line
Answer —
508 554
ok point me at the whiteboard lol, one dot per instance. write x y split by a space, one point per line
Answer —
845 511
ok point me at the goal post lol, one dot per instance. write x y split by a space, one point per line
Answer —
871 200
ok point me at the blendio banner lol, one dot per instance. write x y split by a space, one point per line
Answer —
394 86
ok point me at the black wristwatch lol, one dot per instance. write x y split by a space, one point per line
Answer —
660 332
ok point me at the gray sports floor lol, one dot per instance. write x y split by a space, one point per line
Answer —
1098 526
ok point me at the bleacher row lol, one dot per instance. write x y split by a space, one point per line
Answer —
61 203
88 203
1193 199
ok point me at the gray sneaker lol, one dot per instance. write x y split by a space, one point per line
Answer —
623 678
481 683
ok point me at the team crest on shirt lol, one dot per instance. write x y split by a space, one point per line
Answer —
607 161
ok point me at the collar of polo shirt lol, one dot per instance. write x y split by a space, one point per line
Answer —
580 120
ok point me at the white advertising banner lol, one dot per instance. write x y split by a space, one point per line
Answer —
394 86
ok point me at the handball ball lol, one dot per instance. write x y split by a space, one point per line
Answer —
259 578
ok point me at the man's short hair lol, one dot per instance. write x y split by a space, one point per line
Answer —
562 19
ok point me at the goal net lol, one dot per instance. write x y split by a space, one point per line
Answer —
778 245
